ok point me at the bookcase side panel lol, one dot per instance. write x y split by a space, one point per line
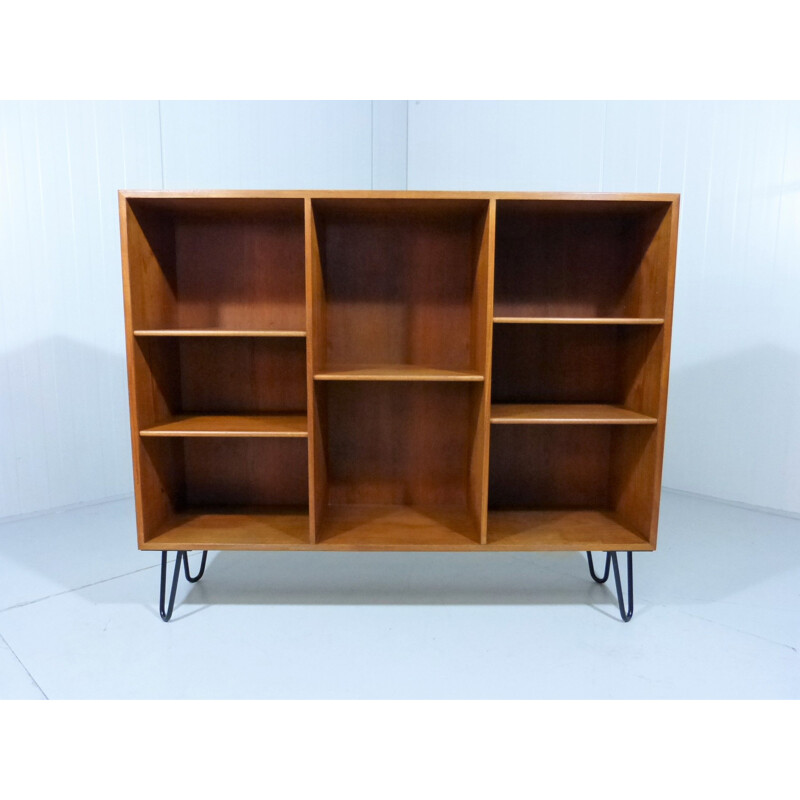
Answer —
649 244
151 268
670 225
637 461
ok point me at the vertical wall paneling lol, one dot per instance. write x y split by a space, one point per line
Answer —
733 428
63 425
389 144
505 146
267 145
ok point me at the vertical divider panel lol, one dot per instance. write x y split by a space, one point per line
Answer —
315 354
482 315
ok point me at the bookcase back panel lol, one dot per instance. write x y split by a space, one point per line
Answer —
243 375
577 364
234 274
222 375
398 443
207 472
245 472
541 466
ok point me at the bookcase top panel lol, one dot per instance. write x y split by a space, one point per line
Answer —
634 198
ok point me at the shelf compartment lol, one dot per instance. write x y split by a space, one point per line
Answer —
184 475
399 445
266 425
566 414
561 529
572 468
214 332
179 377
578 321
396 527
577 261
395 372
400 283
618 365
274 528
216 267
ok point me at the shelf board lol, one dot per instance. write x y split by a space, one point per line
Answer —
276 528
219 332
566 414
394 372
580 320
396 528
393 528
275 425
568 529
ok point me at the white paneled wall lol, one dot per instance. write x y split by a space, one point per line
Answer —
275 145
64 434
734 416
733 427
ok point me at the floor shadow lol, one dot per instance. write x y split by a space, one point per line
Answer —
302 578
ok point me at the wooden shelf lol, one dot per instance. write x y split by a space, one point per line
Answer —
396 528
566 414
394 372
219 332
278 528
277 425
568 529
580 320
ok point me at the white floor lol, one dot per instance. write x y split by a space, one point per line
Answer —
717 616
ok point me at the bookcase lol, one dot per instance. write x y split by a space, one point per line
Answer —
397 370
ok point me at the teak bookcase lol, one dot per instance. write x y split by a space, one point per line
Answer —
397 370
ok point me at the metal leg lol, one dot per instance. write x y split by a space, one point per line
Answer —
166 613
626 615
202 567
611 559
591 568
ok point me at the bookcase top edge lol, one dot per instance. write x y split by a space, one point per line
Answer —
639 197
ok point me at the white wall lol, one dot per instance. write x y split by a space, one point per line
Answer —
734 417
63 428
733 427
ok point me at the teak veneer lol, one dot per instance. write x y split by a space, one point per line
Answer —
397 370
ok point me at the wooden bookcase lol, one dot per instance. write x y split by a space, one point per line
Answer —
397 370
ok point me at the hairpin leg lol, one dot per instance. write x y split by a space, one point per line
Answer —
202 567
612 560
591 568
166 612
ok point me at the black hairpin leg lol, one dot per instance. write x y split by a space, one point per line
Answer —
611 559
166 613
202 567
